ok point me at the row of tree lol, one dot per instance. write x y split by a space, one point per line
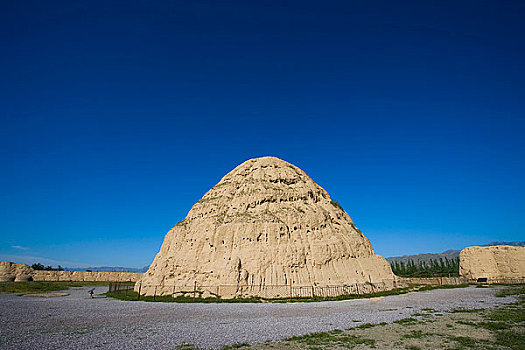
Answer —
39 266
430 268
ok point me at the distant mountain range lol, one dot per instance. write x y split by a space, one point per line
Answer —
449 254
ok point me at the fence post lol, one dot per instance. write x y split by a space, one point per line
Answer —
194 289
357 288
140 286
291 293
313 292
155 293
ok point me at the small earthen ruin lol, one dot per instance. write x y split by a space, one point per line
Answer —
493 264
11 272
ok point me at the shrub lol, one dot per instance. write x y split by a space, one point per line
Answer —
336 204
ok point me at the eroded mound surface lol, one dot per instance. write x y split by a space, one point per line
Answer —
265 223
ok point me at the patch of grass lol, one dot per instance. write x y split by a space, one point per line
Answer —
235 346
186 346
508 315
465 342
332 339
352 340
449 325
336 204
181 223
493 326
511 291
463 310
508 322
416 334
344 297
426 309
366 296
366 325
133 296
42 286
413 347
445 286
407 321
511 339
312 338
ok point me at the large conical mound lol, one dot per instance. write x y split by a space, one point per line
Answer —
265 223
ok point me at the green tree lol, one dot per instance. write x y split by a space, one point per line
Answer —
37 266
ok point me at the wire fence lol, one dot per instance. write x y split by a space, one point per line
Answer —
442 280
499 280
124 287
435 281
195 291
260 291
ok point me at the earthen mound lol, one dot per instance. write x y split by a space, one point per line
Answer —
11 272
265 223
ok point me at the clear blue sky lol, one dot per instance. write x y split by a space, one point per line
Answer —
116 116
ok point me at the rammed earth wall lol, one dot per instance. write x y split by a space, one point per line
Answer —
11 272
495 264
79 276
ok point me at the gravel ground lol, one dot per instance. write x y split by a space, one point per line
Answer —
77 322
